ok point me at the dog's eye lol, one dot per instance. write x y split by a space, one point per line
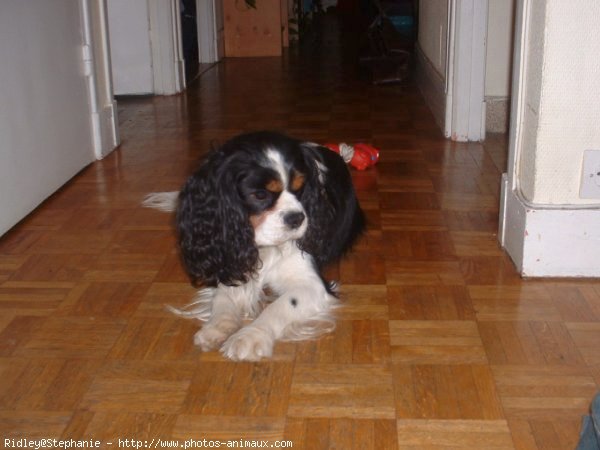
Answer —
260 194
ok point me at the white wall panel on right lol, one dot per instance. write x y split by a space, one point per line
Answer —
566 113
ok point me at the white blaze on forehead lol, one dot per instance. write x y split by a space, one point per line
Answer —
276 162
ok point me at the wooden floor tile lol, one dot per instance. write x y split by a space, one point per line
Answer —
475 243
523 301
351 391
342 433
454 434
46 384
423 273
446 392
153 338
152 387
468 202
586 337
232 429
544 392
363 302
573 305
230 389
529 343
436 342
32 424
110 426
32 298
430 303
106 299
363 268
548 434
72 337
399 220
124 267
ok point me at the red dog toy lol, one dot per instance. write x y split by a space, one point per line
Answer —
360 156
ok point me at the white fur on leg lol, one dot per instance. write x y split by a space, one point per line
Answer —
302 308
163 201
228 307
299 314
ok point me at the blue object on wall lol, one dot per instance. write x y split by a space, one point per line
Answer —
403 24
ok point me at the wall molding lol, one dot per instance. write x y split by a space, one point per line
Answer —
548 242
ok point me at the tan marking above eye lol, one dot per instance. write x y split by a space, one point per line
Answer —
298 180
274 186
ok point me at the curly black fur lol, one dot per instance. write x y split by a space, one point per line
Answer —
335 217
215 237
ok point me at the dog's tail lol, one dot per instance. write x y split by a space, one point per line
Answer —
163 201
200 308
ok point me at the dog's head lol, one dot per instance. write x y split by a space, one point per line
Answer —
258 189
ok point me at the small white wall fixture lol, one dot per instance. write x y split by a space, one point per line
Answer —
465 70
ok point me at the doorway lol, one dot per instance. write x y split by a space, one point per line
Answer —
189 39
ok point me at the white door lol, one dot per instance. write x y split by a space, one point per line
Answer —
131 54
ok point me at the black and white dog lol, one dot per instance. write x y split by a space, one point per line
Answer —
256 223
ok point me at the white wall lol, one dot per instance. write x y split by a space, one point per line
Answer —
131 54
433 30
45 126
544 226
563 117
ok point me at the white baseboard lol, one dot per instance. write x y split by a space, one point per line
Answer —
549 242
107 134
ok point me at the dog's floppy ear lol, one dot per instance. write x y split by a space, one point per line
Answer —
334 215
215 237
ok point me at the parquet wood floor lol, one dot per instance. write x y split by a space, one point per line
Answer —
440 344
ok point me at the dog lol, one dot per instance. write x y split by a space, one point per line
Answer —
256 224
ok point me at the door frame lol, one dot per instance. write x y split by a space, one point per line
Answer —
168 64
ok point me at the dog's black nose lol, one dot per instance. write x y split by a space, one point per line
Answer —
294 219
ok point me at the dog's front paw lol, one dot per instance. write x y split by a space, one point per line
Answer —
210 338
248 344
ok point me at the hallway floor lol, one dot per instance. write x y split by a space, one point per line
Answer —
440 344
